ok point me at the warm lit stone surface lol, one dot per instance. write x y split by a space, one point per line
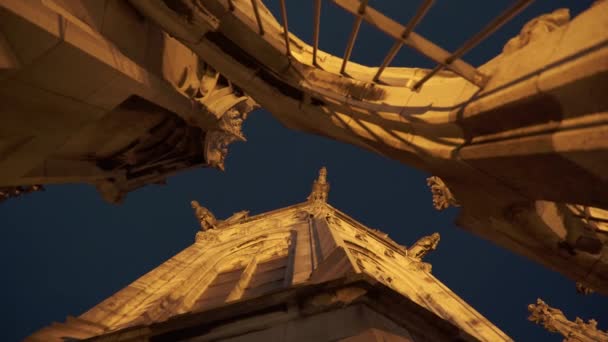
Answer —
307 272
515 154
92 93
520 143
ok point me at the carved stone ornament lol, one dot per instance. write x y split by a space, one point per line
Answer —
205 217
209 237
216 147
229 130
232 120
554 320
382 276
231 110
423 246
421 266
537 28
301 215
361 237
320 187
442 196
389 253
16 191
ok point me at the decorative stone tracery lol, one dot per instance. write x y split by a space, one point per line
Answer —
554 320
205 217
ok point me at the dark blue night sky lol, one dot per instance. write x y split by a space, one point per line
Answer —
64 250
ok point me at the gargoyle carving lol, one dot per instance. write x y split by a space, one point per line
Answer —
554 320
179 140
16 191
442 196
230 107
232 121
205 217
423 246
537 28
332 220
216 147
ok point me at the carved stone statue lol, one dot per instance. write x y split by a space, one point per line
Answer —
423 246
442 196
204 216
320 187
554 320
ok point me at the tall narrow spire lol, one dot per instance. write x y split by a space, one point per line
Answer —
320 187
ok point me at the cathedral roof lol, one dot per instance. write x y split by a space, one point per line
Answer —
245 260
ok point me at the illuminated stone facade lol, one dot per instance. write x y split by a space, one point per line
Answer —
519 143
307 272
91 93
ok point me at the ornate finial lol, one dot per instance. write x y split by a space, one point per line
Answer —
423 246
15 191
320 187
442 196
554 320
204 216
